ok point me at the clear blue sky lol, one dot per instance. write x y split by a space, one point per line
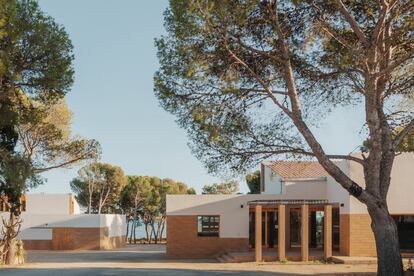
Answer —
113 100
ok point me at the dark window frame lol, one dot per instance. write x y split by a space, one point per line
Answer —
210 226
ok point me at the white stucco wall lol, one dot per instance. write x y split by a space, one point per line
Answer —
234 220
43 203
272 182
401 191
335 192
116 224
39 226
76 209
315 189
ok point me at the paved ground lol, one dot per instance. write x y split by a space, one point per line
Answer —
151 260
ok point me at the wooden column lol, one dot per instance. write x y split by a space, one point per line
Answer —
281 220
327 232
266 229
305 233
258 231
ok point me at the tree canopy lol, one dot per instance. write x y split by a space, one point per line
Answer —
253 182
224 188
36 54
249 80
45 138
35 62
98 187
144 199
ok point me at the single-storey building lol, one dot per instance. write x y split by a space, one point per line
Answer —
300 209
54 222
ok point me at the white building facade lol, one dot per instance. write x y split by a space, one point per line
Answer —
54 222
301 207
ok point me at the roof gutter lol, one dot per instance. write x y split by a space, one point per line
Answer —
301 179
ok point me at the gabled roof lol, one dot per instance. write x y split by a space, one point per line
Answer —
297 169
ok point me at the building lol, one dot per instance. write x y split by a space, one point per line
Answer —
301 212
54 222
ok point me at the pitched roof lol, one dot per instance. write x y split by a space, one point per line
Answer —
297 169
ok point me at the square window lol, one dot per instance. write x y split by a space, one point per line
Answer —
208 226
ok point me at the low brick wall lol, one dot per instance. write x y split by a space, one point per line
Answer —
356 236
37 244
183 241
71 238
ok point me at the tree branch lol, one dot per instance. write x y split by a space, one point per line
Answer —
354 25
40 170
398 139
396 63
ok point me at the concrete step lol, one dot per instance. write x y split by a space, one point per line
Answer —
241 258
353 260
220 259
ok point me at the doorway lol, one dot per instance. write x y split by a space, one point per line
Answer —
405 226
269 228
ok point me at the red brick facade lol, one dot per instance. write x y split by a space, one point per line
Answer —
76 239
183 241
356 236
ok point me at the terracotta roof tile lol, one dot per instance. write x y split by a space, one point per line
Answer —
297 169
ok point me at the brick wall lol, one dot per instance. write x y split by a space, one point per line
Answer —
344 235
362 238
356 236
84 239
37 244
183 242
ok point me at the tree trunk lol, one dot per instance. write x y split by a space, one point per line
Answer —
12 228
151 233
127 230
162 229
135 235
11 253
386 238
130 234
146 232
155 231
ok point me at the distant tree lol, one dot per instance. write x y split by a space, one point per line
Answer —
253 182
145 197
250 80
35 59
191 191
224 188
45 135
170 187
101 184
131 201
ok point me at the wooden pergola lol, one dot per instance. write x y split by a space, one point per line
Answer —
281 209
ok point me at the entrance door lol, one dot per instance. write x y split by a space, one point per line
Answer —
295 223
269 228
272 229
316 229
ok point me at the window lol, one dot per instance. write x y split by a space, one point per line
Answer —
208 226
